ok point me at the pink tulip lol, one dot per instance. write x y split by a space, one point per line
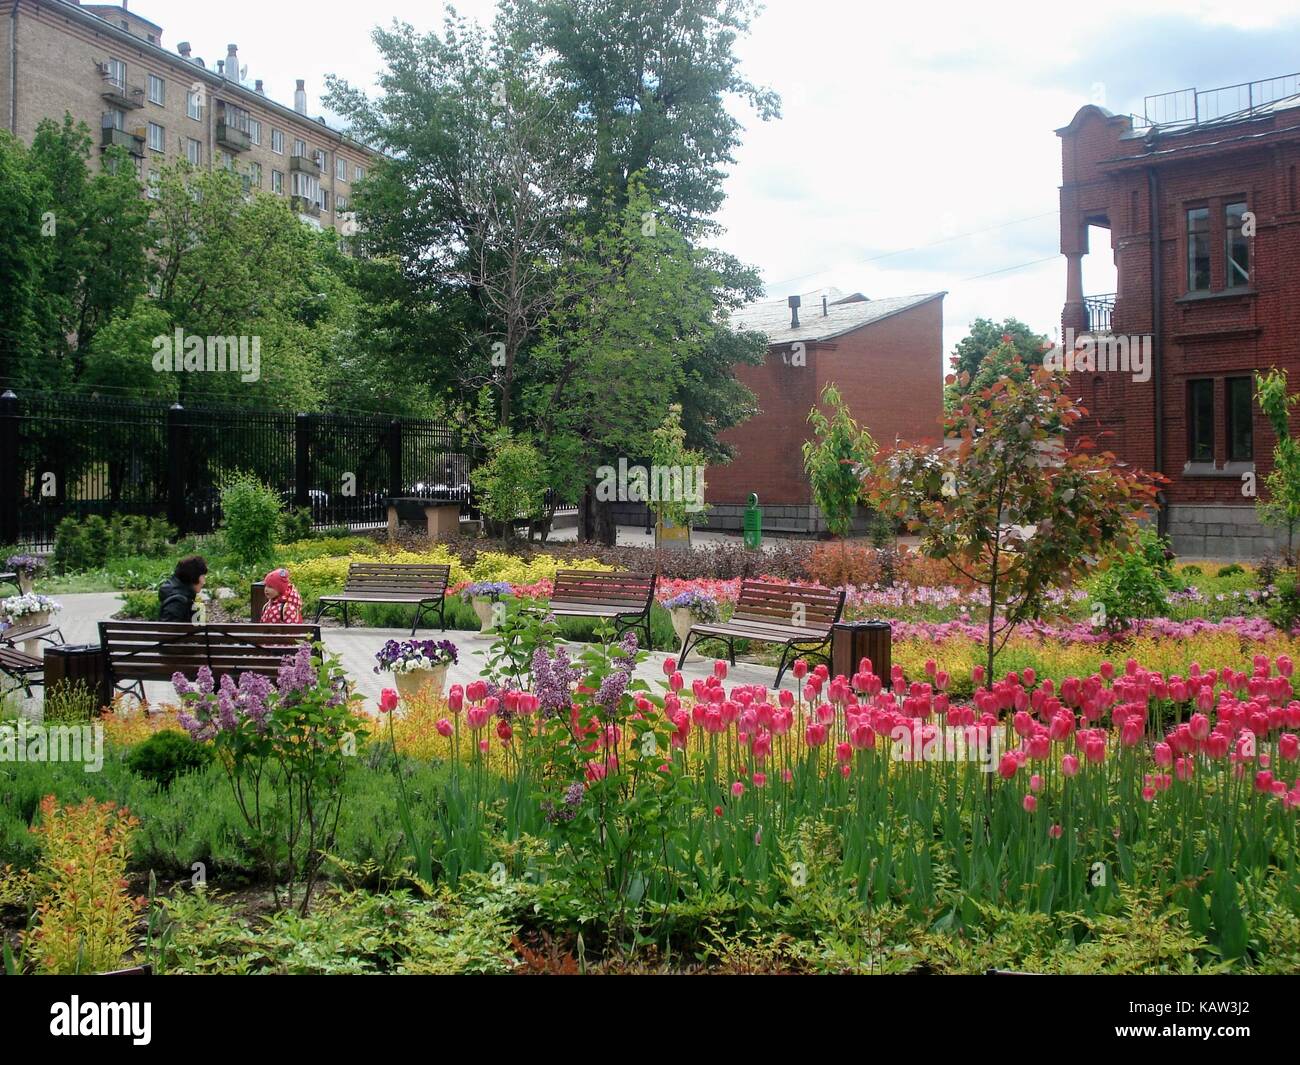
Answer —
444 728
670 666
1069 765
1030 803
388 701
455 698
737 790
720 669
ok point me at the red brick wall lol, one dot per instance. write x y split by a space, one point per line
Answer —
1224 336
890 373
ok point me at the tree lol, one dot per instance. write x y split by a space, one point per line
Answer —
1282 508
1012 507
512 483
835 460
684 469
635 305
985 354
650 83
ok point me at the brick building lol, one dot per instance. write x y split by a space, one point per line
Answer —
1201 197
884 355
107 67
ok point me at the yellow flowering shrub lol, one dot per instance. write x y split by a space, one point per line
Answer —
498 566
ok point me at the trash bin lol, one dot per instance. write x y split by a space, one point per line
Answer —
753 523
69 664
257 600
852 641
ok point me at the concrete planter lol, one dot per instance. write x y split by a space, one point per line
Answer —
417 681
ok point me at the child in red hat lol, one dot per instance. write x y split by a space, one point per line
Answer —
283 603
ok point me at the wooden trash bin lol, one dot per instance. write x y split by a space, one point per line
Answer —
69 664
852 641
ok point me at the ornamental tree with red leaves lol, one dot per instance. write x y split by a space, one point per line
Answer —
1007 502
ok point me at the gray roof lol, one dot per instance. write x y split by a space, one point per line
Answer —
844 313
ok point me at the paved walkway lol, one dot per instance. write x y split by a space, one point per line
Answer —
356 649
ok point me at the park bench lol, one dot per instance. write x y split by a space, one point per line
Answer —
137 651
10 578
14 635
384 582
19 670
624 597
798 616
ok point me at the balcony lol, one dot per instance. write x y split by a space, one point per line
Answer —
133 142
305 206
1099 312
304 165
232 138
122 96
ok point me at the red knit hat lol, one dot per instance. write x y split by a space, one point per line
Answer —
279 580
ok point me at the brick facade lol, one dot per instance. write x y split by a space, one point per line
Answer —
1214 333
890 373
60 50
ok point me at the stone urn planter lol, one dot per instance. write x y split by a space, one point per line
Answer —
413 682
682 621
483 609
26 581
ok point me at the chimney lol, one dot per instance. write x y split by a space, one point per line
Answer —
232 62
221 67
794 302
258 88
300 97
824 311
184 49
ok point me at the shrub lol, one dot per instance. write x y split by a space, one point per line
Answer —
99 541
142 605
1193 570
513 483
69 546
1282 604
85 917
1136 585
165 755
250 518
1227 571
295 525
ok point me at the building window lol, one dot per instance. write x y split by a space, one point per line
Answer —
1241 436
115 73
255 130
157 90
1200 421
255 172
194 151
322 161
113 119
225 160
340 203
340 168
193 106
324 199
306 185
359 174
1237 245
277 182
300 149
151 189
277 141
1198 249
157 137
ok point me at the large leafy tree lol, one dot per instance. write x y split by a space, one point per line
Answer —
835 459
991 350
1011 506
649 83
637 307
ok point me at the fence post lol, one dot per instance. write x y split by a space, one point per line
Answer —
302 460
11 477
178 514
395 457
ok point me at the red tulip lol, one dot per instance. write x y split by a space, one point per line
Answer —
388 701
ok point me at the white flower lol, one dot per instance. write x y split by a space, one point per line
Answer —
20 606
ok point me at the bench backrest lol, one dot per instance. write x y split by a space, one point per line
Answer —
154 650
596 588
796 605
391 577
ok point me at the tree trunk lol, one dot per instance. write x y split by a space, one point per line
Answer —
596 519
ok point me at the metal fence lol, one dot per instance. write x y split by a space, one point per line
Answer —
67 455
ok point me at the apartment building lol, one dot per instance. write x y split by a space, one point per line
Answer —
1200 200
108 67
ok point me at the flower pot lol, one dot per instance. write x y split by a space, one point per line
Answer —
483 609
417 681
28 621
682 621
26 582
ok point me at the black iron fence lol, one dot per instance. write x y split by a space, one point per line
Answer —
71 455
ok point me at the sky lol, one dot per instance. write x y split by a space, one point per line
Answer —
916 151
